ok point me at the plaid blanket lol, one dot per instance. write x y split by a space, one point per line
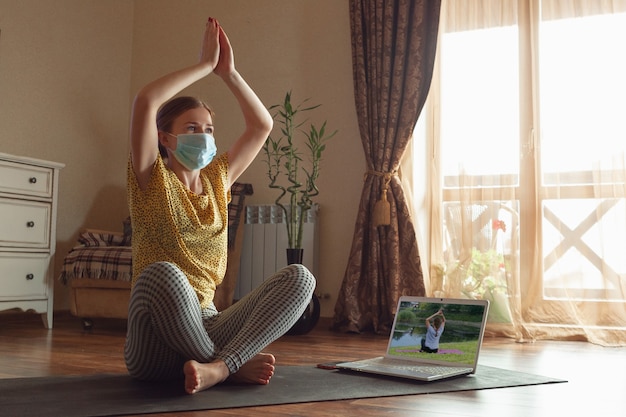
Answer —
108 255
98 262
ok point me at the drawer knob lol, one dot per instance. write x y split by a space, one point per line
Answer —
30 224
32 180
30 277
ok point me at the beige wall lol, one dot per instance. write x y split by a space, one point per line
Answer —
69 69
64 83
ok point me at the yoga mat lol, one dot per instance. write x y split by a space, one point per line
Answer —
111 395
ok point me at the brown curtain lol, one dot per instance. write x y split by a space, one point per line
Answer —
393 52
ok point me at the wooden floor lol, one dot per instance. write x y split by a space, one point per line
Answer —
596 375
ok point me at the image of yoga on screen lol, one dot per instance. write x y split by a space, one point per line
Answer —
427 329
430 343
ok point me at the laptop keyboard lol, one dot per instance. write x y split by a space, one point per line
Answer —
422 369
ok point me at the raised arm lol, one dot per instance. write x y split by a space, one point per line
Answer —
257 119
438 313
143 130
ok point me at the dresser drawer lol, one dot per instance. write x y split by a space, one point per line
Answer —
24 224
23 275
25 179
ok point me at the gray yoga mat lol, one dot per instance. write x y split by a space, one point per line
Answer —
111 395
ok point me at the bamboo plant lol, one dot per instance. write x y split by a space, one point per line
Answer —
288 171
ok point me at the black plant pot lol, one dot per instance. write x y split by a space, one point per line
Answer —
294 255
311 315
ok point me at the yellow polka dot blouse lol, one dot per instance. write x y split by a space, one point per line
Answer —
171 223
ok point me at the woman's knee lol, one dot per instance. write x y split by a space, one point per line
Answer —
302 277
161 280
159 275
158 270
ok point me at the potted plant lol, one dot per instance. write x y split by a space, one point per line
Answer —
482 276
294 176
288 171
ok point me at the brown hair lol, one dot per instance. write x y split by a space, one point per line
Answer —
174 108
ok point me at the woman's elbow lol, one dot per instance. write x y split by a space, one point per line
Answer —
267 124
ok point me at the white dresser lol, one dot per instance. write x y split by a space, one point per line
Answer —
28 212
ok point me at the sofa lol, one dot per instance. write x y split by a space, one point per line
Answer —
98 270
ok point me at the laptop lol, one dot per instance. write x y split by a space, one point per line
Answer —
454 346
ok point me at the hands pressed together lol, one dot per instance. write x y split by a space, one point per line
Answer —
216 50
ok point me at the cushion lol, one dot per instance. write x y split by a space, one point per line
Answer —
91 238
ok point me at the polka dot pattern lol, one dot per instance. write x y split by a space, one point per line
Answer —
171 223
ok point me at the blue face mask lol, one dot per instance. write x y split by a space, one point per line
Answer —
194 150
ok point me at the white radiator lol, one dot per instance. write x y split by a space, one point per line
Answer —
265 243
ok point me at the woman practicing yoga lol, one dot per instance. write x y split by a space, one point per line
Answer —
178 191
430 343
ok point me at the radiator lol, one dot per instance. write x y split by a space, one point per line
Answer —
265 243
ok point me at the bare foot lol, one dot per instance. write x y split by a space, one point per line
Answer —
258 370
200 376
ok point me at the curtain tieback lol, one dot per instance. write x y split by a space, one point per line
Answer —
382 208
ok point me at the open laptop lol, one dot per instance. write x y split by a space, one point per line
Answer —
460 337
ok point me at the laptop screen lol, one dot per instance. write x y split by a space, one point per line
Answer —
439 330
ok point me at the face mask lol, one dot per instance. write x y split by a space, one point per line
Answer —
194 150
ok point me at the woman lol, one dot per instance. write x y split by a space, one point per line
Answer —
178 196
430 343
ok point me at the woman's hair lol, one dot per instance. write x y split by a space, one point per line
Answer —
437 322
174 108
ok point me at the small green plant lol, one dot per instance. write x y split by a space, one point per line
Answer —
288 172
483 276
471 278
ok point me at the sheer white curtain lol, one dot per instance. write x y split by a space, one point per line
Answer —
525 136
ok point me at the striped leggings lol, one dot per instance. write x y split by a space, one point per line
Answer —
167 327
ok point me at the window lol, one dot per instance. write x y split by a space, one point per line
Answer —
526 117
582 103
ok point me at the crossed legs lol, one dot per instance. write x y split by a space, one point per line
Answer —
169 336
